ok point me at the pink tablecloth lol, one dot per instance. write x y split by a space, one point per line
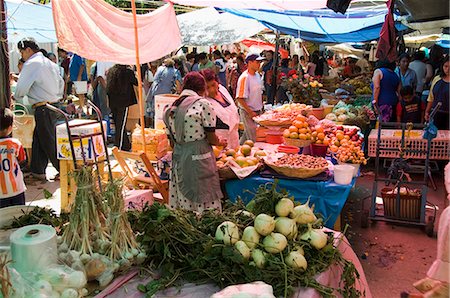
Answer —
126 286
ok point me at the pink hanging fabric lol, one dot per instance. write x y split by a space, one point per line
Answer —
98 31
387 46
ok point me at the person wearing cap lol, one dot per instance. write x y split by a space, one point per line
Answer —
249 96
41 81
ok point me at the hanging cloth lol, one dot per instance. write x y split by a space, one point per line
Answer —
98 31
387 48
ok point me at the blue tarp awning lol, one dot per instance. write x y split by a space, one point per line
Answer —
322 25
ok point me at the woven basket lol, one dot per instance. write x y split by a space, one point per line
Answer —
409 205
296 142
296 172
274 122
226 173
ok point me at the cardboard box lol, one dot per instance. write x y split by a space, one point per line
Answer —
137 198
62 140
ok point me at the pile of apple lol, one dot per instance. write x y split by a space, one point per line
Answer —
342 136
245 156
346 145
299 129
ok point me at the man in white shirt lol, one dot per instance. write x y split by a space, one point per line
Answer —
420 68
249 96
41 81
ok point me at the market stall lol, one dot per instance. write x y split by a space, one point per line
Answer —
327 196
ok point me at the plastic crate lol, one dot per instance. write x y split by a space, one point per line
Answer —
440 146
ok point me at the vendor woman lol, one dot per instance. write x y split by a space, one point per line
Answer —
191 124
227 124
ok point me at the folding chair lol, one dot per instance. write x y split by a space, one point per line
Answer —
140 178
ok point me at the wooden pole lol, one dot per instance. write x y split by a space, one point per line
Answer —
4 60
275 65
138 68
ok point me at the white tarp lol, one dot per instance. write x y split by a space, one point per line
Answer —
205 27
257 4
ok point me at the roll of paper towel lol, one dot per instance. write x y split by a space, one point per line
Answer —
33 248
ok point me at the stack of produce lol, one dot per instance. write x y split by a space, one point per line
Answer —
299 133
245 156
284 115
360 84
272 239
298 165
359 113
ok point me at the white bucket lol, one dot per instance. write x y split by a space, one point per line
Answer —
354 166
343 174
80 87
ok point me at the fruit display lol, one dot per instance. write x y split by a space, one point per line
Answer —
360 84
343 135
298 165
282 116
245 156
350 153
297 132
302 161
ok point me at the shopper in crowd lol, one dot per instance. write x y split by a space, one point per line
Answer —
149 76
420 69
227 124
178 65
40 80
385 89
249 96
303 64
311 66
191 124
350 70
267 69
294 63
363 63
439 92
321 65
220 67
204 62
238 68
284 72
99 87
195 63
12 155
120 84
410 107
407 76
53 58
64 62
167 81
78 73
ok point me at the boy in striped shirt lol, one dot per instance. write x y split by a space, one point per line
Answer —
12 187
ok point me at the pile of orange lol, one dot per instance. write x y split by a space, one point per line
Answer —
299 129
318 136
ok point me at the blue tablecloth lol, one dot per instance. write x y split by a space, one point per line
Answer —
328 197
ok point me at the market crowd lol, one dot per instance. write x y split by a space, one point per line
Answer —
218 92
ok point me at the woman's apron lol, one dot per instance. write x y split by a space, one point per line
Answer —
193 162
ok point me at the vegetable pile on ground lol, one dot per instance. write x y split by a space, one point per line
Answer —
271 240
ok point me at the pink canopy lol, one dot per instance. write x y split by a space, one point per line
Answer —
257 4
98 31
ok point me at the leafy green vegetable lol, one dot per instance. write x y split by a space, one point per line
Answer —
39 215
180 246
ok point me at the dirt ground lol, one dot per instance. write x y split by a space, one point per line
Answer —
393 257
